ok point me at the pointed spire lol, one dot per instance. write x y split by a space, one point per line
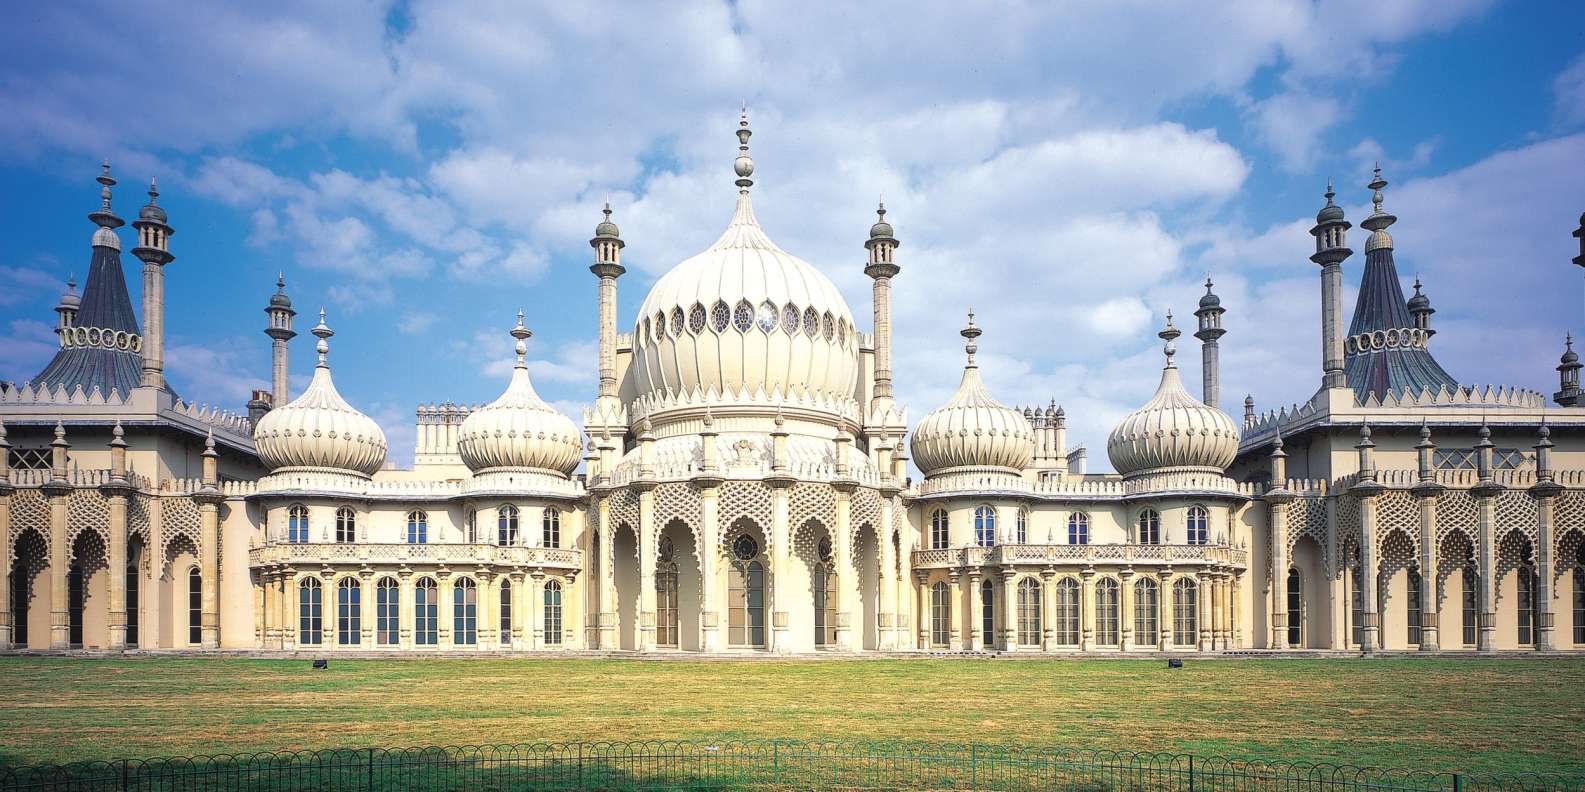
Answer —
970 333
522 334
1169 334
104 216
323 332
1379 219
744 166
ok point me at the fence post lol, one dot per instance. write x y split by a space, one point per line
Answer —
775 762
124 775
370 774
1458 782
580 764
974 765
1191 772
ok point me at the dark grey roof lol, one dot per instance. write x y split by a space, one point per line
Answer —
1381 307
105 305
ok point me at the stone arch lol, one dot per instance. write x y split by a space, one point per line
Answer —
740 577
88 597
863 585
30 590
685 563
1309 558
1393 582
1514 550
623 556
805 556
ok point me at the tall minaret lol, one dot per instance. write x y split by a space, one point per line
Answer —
154 250
1331 248
882 267
607 266
1210 332
280 331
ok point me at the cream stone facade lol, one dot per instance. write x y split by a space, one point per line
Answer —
741 484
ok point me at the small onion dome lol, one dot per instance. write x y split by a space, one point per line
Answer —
1331 211
607 229
319 429
151 211
1173 430
881 229
279 298
71 300
519 430
973 430
1209 299
1570 357
1419 302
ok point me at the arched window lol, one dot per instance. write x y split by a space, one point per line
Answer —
1029 612
1471 597
387 612
1078 528
464 612
938 529
349 612
1149 532
1021 528
1067 615
417 527
426 612
940 616
746 603
988 612
1106 613
505 634
1295 608
195 606
74 606
552 613
506 525
346 525
1185 612
133 609
310 613
1147 612
550 528
1415 608
297 523
666 579
1527 616
825 595
470 520
985 526
1198 525
1356 607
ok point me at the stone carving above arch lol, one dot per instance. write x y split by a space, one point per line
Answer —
87 510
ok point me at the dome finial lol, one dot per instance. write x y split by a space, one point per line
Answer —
522 334
323 332
1379 219
1169 334
970 333
744 166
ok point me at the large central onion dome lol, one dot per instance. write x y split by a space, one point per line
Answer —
319 430
1173 430
519 431
744 322
973 432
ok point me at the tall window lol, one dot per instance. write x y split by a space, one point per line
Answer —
666 621
1416 609
1078 528
1295 608
825 591
506 525
1185 612
1149 528
940 615
426 613
550 528
297 523
938 529
349 612
346 525
746 595
1471 604
417 527
195 606
387 612
552 613
1147 612
470 523
1527 617
464 612
988 613
506 613
74 605
132 604
1106 612
310 613
1029 612
985 526
1198 525
1067 626
20 580
1356 607
1021 528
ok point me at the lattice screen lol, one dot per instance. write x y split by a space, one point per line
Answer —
87 510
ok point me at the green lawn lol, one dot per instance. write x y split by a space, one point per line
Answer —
1466 715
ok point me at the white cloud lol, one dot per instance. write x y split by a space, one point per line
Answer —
1569 92
26 347
1292 125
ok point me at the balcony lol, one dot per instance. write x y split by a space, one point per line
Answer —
376 554
1063 554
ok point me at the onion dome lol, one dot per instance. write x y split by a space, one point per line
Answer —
881 229
319 430
70 301
151 211
607 229
1331 212
1173 430
279 298
519 430
1209 299
1419 302
741 319
1570 357
973 431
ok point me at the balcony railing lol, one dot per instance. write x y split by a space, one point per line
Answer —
1136 554
284 553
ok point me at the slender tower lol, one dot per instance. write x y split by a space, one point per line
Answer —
1331 248
1210 333
280 331
154 251
882 267
607 266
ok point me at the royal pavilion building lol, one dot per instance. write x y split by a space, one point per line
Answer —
741 484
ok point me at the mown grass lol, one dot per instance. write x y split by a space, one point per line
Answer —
1467 715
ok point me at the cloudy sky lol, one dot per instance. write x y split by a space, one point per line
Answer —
1071 170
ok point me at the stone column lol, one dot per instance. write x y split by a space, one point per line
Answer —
209 567
366 614
1167 614
116 559
58 493
1486 503
1370 639
6 638
1087 609
1332 325
1430 605
923 616
1545 620
1219 611
523 600
270 614
887 580
406 612
607 561
1048 609
536 610
447 610
709 590
288 608
1277 500
1202 602
954 609
782 597
843 556
485 611
1125 609
1009 592
975 640
648 544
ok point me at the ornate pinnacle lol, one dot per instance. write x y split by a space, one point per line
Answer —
1169 334
744 166
324 332
522 334
970 333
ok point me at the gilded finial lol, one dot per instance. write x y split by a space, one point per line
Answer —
1169 335
744 166
970 333
522 334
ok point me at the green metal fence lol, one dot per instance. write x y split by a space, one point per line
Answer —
777 764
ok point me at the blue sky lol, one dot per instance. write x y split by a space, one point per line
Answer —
1072 171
